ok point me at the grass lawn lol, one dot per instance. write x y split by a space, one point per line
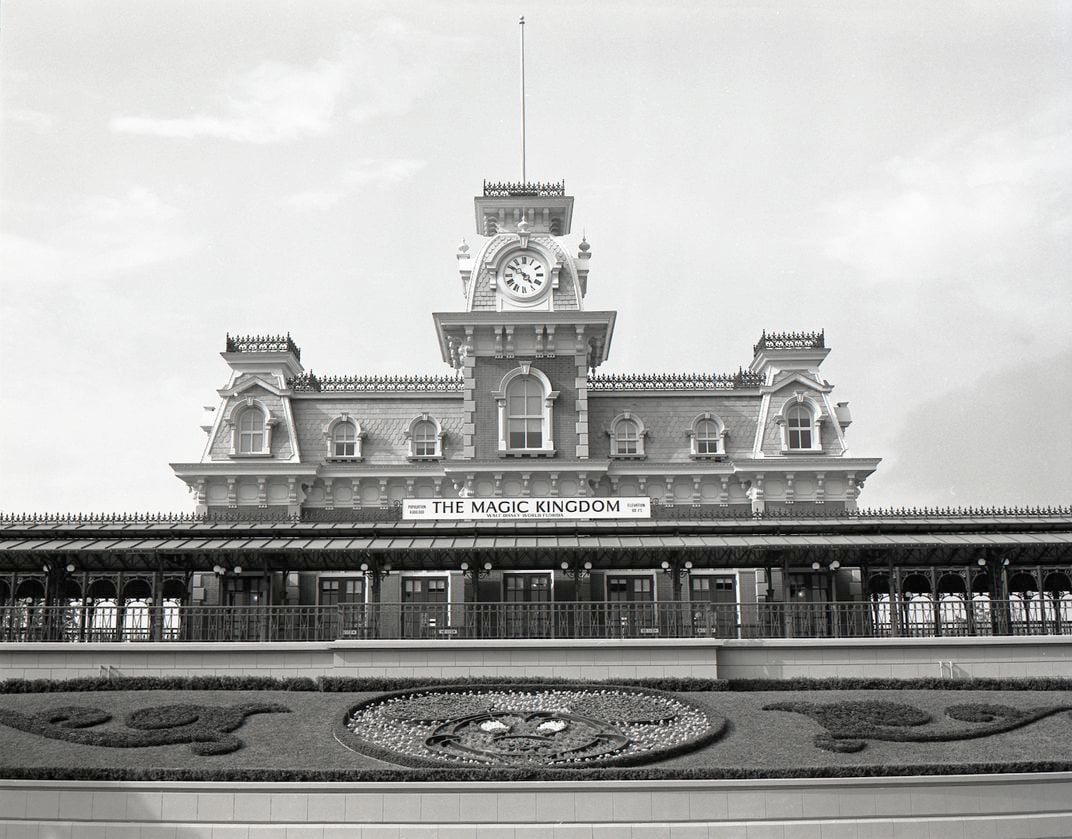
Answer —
768 741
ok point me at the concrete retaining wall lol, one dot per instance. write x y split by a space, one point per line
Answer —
994 807
588 659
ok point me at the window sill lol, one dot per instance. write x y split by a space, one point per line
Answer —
424 458
638 456
714 456
527 453
792 452
354 459
249 455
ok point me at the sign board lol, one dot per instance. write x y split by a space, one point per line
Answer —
480 509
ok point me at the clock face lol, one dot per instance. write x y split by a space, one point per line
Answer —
524 275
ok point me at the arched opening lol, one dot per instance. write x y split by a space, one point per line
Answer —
101 606
1057 602
917 605
878 595
137 608
1025 606
953 615
174 596
30 591
982 609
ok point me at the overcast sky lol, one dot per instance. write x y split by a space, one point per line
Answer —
896 173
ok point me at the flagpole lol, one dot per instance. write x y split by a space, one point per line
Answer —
524 179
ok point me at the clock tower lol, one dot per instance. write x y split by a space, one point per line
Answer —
523 343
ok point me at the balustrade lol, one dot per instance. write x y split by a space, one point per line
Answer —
451 621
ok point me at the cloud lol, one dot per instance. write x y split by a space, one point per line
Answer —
100 236
381 73
967 206
368 171
1002 439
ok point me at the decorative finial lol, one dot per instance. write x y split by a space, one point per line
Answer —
463 247
584 247
523 232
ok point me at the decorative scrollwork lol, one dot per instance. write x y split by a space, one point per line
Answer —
263 343
675 381
311 383
511 190
849 725
791 341
206 728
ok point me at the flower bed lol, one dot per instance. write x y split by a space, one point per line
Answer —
533 725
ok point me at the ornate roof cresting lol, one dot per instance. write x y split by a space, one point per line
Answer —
311 383
512 190
675 381
263 343
791 341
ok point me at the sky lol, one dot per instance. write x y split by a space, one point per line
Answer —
897 174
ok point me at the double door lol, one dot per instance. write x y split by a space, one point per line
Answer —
631 605
425 609
528 611
713 600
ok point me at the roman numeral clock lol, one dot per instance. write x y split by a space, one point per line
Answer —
524 276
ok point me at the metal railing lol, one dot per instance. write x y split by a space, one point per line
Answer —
902 618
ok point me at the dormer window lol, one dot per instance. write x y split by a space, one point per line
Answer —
344 437
525 401
707 437
344 440
627 436
251 429
800 422
425 436
798 427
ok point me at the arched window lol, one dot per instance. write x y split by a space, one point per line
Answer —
627 435
524 413
800 423
425 439
425 436
708 434
344 440
626 438
707 437
525 402
250 431
798 427
344 436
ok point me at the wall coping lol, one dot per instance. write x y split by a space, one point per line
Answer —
629 787
527 643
